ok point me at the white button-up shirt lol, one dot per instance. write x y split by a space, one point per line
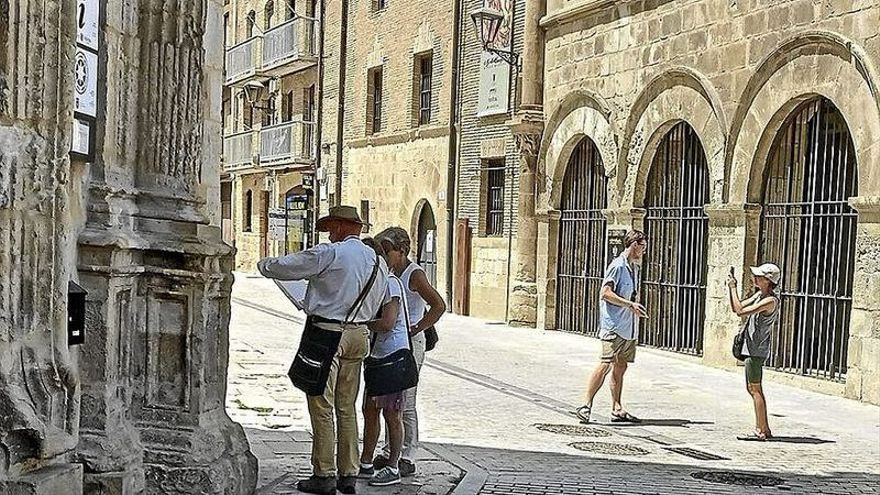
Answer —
337 273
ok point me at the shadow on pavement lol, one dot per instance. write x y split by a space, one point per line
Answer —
679 423
527 472
800 440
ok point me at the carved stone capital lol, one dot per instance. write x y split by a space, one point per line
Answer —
527 127
868 208
733 215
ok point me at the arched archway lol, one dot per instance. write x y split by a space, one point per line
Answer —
581 245
426 240
674 269
809 230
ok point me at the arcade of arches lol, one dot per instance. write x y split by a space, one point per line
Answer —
788 175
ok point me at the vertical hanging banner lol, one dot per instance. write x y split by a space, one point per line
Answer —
494 72
85 80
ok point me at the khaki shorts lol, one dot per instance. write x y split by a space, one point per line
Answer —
619 348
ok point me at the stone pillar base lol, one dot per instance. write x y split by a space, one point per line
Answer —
60 478
523 305
114 483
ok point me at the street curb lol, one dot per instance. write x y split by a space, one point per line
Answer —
474 476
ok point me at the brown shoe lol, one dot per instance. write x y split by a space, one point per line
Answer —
317 484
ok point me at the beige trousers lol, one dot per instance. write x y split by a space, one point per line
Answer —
339 398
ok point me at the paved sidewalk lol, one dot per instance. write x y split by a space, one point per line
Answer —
492 397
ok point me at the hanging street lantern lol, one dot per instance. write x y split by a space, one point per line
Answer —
488 23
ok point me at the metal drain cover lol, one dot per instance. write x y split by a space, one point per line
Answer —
573 430
609 448
696 454
740 479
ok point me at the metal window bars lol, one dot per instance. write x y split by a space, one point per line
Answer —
581 248
425 69
674 273
495 178
809 230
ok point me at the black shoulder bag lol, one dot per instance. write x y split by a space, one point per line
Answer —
395 372
317 347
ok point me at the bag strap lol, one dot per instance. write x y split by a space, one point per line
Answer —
363 295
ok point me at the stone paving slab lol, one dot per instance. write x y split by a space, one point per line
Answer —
486 387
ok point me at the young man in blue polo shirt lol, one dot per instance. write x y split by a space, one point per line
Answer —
619 313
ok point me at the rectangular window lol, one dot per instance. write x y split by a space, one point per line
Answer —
288 106
495 197
380 4
365 214
248 211
422 89
374 100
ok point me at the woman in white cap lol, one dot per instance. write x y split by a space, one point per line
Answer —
762 310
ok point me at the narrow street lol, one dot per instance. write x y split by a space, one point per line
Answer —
495 417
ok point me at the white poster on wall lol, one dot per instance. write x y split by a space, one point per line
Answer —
87 23
85 82
495 72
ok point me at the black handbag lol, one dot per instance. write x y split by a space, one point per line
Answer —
395 372
738 342
310 368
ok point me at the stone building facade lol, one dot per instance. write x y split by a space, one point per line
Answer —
139 406
733 133
389 154
488 163
270 115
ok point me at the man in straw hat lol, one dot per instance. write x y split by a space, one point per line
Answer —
347 285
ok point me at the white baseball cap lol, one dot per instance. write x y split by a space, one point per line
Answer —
768 270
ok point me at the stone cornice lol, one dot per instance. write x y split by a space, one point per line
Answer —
732 215
868 208
424 132
571 13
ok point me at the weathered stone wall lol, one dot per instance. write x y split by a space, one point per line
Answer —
249 243
489 267
41 213
623 73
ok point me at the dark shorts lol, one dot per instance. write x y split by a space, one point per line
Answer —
618 348
754 369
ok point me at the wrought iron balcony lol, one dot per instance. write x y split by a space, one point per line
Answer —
287 143
238 150
290 47
243 60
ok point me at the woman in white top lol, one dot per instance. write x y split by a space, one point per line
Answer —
426 306
389 335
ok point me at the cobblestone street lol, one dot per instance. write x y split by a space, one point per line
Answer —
495 411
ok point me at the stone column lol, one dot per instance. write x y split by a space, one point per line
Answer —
40 212
152 259
526 129
863 354
733 241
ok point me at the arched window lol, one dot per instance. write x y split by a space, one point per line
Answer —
674 274
268 12
809 229
251 23
580 262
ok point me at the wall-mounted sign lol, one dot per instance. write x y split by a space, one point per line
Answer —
85 79
615 243
85 82
494 96
87 23
277 224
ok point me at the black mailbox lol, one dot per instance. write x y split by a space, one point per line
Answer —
76 314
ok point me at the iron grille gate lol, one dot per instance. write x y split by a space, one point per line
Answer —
581 259
674 280
809 230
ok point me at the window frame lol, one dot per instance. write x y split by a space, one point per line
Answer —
495 184
374 100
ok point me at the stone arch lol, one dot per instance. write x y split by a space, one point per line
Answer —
414 222
676 95
812 64
580 115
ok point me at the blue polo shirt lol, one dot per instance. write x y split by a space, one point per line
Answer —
617 320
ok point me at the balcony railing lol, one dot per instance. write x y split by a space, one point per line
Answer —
288 141
238 149
243 58
295 39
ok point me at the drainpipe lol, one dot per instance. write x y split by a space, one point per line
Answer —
452 164
319 121
527 127
340 108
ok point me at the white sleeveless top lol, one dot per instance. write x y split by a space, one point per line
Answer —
417 305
